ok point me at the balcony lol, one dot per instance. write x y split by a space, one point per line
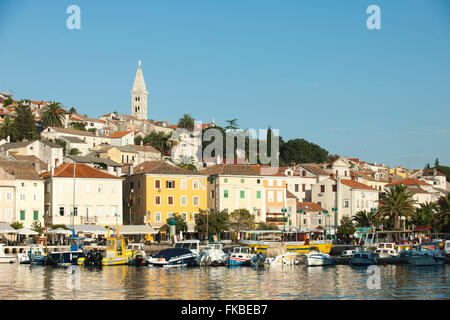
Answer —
276 220
88 220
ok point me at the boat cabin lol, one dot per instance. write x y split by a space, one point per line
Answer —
193 245
115 247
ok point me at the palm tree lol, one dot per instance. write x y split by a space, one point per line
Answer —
187 122
366 219
424 215
441 220
396 203
52 115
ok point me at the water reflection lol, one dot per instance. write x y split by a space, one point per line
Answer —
292 282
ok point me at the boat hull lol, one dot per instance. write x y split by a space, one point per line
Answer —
233 261
67 257
362 261
294 247
7 259
318 260
174 262
425 260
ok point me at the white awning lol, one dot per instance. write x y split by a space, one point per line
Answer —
26 232
137 229
92 229
6 228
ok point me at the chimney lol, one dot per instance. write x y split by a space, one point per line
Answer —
131 170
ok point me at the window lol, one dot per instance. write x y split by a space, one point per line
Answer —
22 214
322 188
296 187
183 200
258 181
170 200
88 188
258 194
157 200
319 203
195 184
242 194
139 200
22 197
183 184
304 221
303 187
345 173
270 182
35 215
345 203
75 212
279 183
212 194
195 200
8 196
169 215
242 180
225 180
157 184
113 188
100 188
100 211
334 187
61 211
157 216
279 196
139 184
304 173
184 216
170 184
320 221
225 194
270 196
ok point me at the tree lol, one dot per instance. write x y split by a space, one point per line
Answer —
332 157
52 115
93 130
424 215
17 225
266 226
301 151
160 141
72 110
187 163
232 125
441 220
24 124
217 222
241 219
74 152
346 227
396 203
8 101
62 143
181 224
79 126
436 163
37 227
186 122
7 128
366 219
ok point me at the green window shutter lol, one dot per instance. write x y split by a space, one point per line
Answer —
22 214
35 214
242 194
225 180
242 180
225 193
258 194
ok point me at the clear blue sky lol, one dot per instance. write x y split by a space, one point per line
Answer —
312 69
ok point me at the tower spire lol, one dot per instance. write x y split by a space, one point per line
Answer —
139 95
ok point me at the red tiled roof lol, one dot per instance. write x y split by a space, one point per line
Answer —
356 185
119 134
409 182
309 206
66 170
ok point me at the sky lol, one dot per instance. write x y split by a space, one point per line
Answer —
311 69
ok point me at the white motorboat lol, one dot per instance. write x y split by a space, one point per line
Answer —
316 258
5 258
193 245
212 255
387 250
240 256
427 254
363 258
35 250
173 257
347 253
284 259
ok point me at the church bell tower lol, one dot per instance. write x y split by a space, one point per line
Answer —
139 95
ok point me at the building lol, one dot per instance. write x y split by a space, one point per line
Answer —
94 196
311 217
123 155
236 186
122 138
155 190
422 191
91 139
301 178
146 153
139 95
22 193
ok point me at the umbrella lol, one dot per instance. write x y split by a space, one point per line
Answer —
6 228
59 231
26 232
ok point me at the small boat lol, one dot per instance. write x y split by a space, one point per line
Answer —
138 256
240 256
427 254
363 258
284 259
193 245
316 258
72 255
258 260
387 250
173 257
212 255
35 253
347 253
5 258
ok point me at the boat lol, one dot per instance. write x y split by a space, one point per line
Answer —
387 250
5 258
427 254
193 245
212 255
316 258
35 253
259 241
258 260
284 259
138 256
71 256
347 253
173 257
363 258
115 254
240 256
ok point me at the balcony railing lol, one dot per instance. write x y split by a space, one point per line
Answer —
87 220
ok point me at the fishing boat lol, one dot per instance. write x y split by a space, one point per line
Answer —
427 254
35 253
5 258
240 256
259 241
212 255
316 258
71 256
387 250
363 258
173 257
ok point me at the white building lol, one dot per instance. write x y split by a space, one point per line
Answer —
91 139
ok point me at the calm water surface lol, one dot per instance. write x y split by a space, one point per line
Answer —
281 283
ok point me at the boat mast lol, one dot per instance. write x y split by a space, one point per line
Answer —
72 218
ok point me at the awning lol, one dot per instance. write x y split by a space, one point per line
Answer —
137 229
26 232
93 229
6 228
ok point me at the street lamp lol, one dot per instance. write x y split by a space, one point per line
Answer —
284 210
207 235
327 216
335 221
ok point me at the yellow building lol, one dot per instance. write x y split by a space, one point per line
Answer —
122 155
155 190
